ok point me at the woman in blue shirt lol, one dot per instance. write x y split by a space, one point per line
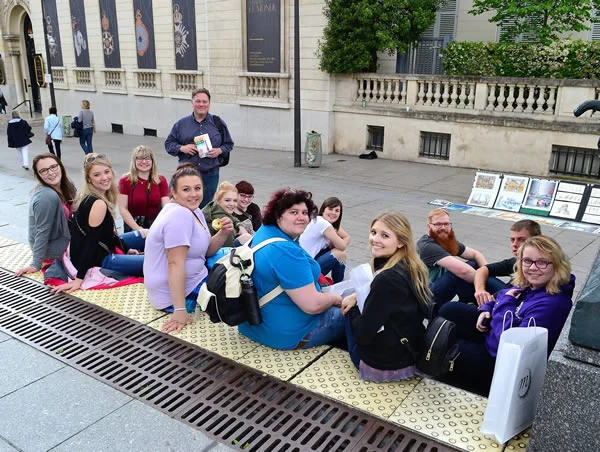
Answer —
301 316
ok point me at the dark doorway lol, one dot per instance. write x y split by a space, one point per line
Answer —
32 89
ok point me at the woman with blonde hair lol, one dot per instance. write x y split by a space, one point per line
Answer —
384 336
94 242
542 292
142 192
88 127
223 205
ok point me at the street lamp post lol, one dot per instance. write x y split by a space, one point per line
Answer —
297 121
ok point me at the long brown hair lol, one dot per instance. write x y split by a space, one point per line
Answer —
67 190
407 255
142 151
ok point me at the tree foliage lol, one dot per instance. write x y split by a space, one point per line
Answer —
358 29
540 20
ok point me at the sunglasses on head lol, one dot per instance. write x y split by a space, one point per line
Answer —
93 158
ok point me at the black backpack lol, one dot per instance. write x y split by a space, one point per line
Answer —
440 349
229 295
223 158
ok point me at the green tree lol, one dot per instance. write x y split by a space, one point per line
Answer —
358 29
539 20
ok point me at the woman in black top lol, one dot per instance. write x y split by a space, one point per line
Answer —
19 133
94 242
385 334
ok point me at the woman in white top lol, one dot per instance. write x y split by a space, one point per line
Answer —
326 241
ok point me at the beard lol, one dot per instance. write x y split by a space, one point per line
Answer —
449 243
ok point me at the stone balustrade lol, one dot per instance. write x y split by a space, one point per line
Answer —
114 79
84 79
59 77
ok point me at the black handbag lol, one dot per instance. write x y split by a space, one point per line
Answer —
440 349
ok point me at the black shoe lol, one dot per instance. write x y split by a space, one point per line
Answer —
368 156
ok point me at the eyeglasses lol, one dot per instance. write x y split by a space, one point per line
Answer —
245 196
52 168
541 264
144 159
93 158
441 225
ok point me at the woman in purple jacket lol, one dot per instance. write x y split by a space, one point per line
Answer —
543 287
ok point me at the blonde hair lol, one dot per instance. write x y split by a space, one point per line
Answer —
85 104
110 198
551 250
406 255
142 151
223 188
436 213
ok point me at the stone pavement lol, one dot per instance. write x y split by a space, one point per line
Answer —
54 407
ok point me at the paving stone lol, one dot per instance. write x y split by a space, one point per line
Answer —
4 337
32 365
138 427
52 409
5 447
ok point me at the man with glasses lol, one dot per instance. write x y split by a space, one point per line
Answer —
188 131
445 257
487 275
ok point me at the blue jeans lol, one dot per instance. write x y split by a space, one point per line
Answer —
210 181
329 263
127 264
329 328
85 140
352 345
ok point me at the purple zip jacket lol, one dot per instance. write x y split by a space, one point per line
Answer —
549 311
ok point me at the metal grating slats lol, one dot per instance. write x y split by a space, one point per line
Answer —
229 402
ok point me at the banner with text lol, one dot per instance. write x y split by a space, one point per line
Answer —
53 41
263 24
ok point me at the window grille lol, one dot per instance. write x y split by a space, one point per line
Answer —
117 128
574 161
375 138
435 145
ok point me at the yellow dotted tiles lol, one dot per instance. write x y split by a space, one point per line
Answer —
282 364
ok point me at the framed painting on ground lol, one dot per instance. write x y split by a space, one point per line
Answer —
569 201
591 213
539 197
485 189
512 192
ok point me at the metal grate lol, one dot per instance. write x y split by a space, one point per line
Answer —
18 295
225 400
435 145
116 128
575 161
375 138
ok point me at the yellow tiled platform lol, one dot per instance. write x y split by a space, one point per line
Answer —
282 364
130 301
215 337
335 376
16 256
5 241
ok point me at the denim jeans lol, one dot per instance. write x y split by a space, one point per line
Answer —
352 345
85 140
329 263
330 327
210 181
128 264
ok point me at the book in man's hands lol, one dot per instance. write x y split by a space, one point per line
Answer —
203 145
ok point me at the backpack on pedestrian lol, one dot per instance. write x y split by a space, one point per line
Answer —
229 295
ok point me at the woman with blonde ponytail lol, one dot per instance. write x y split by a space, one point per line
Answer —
384 338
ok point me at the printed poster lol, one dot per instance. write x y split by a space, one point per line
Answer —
512 192
184 34
80 36
567 201
144 34
53 41
539 197
110 34
485 189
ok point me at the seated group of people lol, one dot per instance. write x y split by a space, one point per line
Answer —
169 239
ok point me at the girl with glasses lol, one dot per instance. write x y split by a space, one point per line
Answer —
246 209
94 239
50 208
543 288
142 192
326 240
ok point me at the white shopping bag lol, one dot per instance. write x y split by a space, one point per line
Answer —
517 383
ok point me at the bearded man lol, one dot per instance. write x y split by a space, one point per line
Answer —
445 257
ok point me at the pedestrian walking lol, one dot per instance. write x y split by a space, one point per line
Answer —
19 134
86 118
53 127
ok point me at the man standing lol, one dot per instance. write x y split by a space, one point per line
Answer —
440 251
519 232
180 142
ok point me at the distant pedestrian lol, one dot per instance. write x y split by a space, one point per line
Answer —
3 103
53 127
181 142
19 134
86 118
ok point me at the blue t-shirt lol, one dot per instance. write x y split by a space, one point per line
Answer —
284 324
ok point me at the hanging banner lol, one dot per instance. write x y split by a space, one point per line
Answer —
263 40
53 41
80 37
110 34
144 34
184 33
